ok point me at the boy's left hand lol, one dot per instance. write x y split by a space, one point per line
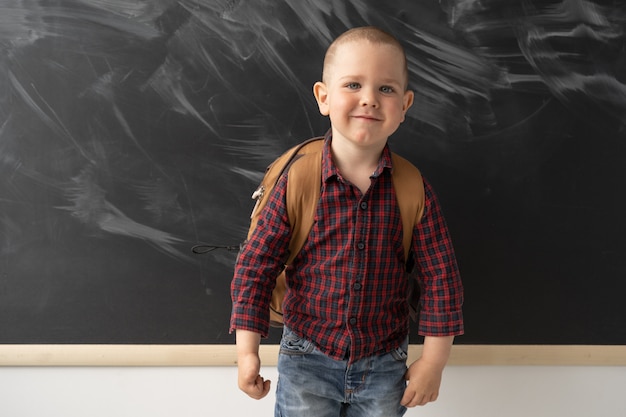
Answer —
424 382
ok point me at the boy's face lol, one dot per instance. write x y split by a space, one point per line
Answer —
364 92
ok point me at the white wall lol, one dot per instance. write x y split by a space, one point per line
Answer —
467 391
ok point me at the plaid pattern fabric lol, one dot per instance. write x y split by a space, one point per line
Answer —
348 286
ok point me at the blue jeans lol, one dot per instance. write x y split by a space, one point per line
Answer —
311 384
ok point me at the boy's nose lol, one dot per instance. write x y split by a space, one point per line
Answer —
368 98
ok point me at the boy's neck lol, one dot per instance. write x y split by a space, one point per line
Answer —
346 154
355 163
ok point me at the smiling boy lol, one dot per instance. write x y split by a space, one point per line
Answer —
343 350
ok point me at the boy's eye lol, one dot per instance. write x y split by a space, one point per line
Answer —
386 89
353 86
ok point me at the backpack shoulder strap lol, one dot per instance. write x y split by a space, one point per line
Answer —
303 193
303 165
409 188
276 170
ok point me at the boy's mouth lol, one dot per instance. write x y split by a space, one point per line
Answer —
366 117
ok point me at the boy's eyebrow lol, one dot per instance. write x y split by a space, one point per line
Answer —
358 77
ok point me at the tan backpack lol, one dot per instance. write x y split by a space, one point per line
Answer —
303 165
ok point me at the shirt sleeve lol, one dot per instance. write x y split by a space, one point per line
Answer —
260 261
437 272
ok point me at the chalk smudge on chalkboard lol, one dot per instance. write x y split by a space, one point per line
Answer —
91 208
575 50
45 112
569 50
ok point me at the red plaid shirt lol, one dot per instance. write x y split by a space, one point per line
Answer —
348 286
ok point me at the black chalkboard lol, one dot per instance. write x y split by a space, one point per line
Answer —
131 131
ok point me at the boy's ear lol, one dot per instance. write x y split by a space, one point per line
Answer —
407 102
321 95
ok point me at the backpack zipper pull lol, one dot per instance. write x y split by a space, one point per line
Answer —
258 196
258 193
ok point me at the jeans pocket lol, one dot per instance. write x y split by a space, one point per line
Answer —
292 344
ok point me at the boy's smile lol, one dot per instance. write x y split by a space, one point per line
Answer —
364 93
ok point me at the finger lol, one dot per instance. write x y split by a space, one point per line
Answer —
259 388
266 387
422 399
261 384
263 388
412 398
418 400
407 398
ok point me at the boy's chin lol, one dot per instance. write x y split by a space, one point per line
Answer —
361 137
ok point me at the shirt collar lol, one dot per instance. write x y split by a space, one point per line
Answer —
329 169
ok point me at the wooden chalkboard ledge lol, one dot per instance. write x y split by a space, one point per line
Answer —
224 355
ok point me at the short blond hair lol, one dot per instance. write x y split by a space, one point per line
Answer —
370 34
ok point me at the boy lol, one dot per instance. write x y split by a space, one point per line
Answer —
343 350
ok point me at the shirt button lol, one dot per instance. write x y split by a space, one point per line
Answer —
357 286
353 321
363 205
360 245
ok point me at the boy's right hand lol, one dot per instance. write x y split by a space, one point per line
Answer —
249 379
249 365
